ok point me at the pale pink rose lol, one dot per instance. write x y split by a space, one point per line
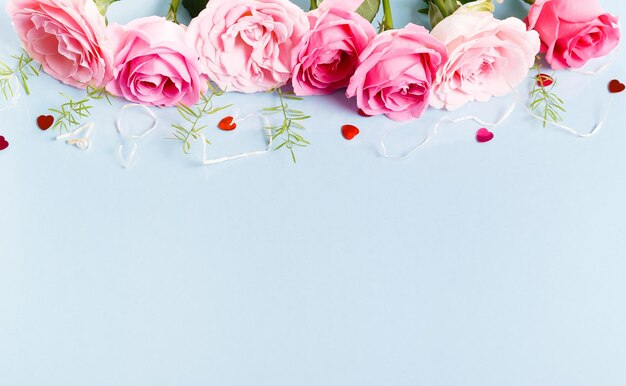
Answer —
66 37
153 64
246 45
396 73
329 52
486 57
573 31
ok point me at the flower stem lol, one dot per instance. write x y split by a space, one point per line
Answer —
387 22
103 5
531 2
173 11
313 5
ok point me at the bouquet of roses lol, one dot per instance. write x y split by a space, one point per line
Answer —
261 45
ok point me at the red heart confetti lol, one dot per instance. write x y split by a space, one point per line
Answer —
227 124
349 131
45 121
363 114
3 143
615 86
544 80
484 135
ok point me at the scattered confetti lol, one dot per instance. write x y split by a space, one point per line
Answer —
483 135
615 86
227 124
45 122
3 143
349 131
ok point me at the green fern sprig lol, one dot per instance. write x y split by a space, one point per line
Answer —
97 94
544 101
287 131
69 113
23 70
193 115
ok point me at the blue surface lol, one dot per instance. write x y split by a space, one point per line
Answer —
467 265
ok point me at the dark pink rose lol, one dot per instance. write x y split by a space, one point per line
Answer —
573 31
396 73
329 53
153 64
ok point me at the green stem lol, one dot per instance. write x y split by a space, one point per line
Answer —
103 5
172 12
202 111
387 22
531 2
313 5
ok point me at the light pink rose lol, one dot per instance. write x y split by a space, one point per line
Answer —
246 45
66 37
153 63
573 31
486 57
329 52
396 73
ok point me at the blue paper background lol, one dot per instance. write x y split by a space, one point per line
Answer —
469 264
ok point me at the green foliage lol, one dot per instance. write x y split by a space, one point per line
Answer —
287 132
369 9
437 10
23 70
544 102
386 23
71 112
98 94
195 6
103 5
440 9
193 115
172 12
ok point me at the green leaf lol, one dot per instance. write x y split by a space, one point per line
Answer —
440 9
369 9
195 6
103 5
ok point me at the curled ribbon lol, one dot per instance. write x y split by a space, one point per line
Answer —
433 132
132 137
83 143
266 129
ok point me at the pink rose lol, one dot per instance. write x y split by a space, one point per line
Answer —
66 37
246 45
396 73
486 57
153 64
573 31
329 52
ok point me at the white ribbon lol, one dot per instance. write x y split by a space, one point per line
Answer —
131 137
83 143
571 130
433 132
595 130
266 130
